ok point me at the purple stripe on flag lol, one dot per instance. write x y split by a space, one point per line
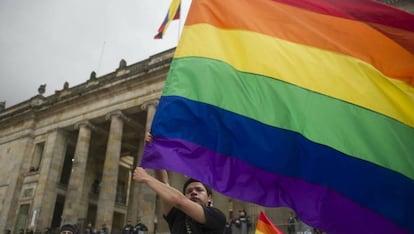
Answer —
230 176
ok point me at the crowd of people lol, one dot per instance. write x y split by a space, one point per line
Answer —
139 228
240 225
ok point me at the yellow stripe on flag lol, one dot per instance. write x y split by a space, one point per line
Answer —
363 85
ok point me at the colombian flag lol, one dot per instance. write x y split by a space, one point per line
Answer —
265 226
172 14
307 104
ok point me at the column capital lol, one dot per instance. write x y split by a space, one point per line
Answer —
126 119
116 113
84 123
90 126
153 102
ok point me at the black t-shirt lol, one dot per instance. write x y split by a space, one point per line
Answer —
180 223
140 227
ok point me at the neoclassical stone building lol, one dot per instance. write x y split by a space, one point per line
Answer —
68 157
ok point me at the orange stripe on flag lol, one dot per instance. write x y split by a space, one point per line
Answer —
265 226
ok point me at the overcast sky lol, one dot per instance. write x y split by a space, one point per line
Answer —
53 41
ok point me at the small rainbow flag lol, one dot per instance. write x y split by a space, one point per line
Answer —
172 14
307 104
265 226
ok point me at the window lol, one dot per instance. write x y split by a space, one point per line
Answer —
37 157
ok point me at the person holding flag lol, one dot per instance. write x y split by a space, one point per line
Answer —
188 212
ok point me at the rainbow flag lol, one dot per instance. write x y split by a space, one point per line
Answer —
172 14
265 226
307 104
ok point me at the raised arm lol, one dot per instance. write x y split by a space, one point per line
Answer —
169 196
159 174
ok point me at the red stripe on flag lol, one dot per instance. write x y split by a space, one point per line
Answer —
264 225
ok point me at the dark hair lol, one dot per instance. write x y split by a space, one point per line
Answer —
68 227
191 180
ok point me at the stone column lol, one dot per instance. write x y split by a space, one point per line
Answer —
76 181
23 149
133 199
84 205
253 212
142 199
107 194
150 107
176 180
51 167
237 205
230 211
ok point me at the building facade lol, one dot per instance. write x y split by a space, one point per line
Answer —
68 157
